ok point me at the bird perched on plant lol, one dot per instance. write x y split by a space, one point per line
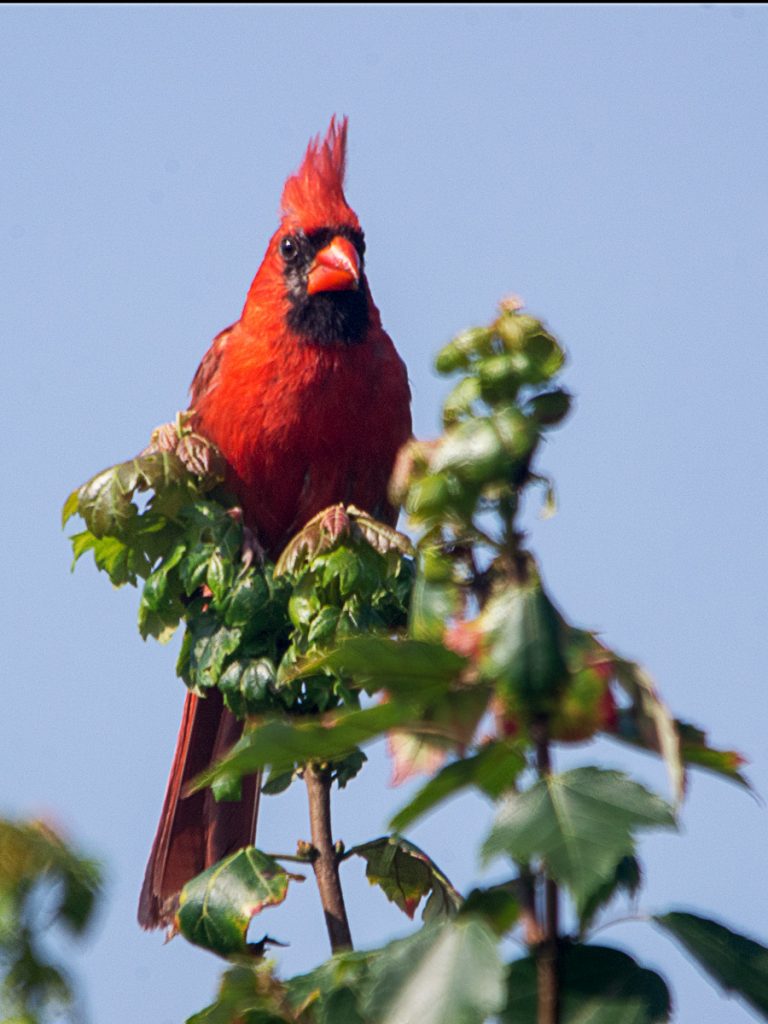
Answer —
308 402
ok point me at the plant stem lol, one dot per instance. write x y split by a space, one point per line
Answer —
326 861
547 957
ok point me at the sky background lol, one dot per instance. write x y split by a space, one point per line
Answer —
610 165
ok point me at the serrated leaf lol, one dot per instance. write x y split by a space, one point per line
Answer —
211 644
736 963
105 501
405 874
445 974
580 823
216 907
598 985
336 525
378 535
494 769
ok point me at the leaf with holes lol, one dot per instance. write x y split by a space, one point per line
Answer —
405 874
216 907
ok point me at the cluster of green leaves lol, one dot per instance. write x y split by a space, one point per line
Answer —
451 972
42 882
248 622
459 656
484 636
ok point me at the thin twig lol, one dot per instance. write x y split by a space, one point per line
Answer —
294 858
326 861
627 919
547 957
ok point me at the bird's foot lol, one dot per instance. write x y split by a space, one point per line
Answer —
251 550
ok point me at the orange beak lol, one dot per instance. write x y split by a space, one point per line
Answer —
336 268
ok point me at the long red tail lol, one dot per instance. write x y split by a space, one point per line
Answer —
195 831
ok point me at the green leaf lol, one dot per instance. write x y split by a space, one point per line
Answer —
460 400
323 626
247 597
550 407
43 882
627 878
277 782
498 905
474 452
430 496
580 823
333 992
405 874
435 596
111 555
105 501
738 964
598 985
377 662
499 379
216 907
246 685
494 769
248 995
69 508
458 354
524 647
444 974
211 644
283 744
696 751
536 353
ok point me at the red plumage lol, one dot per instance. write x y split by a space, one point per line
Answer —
308 401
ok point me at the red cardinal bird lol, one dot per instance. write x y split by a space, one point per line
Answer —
309 403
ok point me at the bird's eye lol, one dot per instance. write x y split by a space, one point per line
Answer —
289 250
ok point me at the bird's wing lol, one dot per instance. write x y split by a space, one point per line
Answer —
206 377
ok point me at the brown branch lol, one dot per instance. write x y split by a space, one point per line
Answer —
547 955
325 862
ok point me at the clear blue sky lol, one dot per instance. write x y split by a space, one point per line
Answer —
609 164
